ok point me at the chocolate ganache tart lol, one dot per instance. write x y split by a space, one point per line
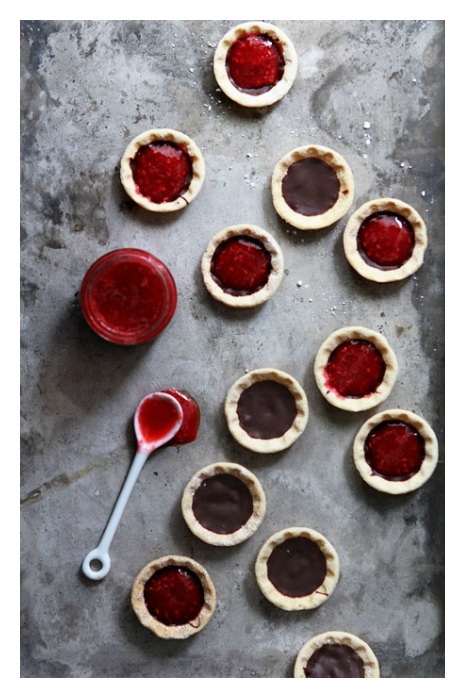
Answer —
162 170
255 64
266 410
336 655
297 569
312 187
395 451
223 504
385 240
173 597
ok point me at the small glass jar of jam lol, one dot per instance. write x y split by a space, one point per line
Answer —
128 296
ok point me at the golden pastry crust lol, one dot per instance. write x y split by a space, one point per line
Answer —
300 603
395 486
277 266
374 273
258 499
278 91
381 392
177 632
259 445
346 187
337 637
163 134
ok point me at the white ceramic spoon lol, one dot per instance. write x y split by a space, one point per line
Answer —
157 419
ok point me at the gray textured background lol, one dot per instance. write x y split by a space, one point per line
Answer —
88 88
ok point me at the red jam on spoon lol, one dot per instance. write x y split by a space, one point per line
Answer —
174 595
394 450
355 368
190 420
255 63
241 265
385 240
162 171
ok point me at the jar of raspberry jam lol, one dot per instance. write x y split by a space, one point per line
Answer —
128 296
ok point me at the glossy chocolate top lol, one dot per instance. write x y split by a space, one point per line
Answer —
310 187
334 661
296 567
222 503
266 409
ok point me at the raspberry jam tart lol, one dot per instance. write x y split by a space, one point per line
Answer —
255 64
266 410
312 187
395 451
385 240
355 369
242 266
297 569
223 504
336 655
162 170
174 597
128 296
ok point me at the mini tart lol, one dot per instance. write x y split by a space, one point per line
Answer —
186 596
348 390
223 504
395 451
242 266
175 184
403 235
278 82
336 655
311 577
266 410
312 187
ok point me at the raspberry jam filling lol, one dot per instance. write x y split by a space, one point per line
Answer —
174 595
310 187
190 418
162 171
255 63
296 567
394 450
385 240
155 419
334 661
355 369
222 503
241 265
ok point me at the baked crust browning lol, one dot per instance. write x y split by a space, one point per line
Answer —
396 486
177 632
337 637
281 88
382 391
369 271
275 277
256 492
272 445
300 603
178 138
346 187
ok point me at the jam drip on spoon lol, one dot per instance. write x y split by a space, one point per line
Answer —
394 450
385 240
355 369
241 265
162 171
255 63
174 595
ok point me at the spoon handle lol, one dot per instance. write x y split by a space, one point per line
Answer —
100 556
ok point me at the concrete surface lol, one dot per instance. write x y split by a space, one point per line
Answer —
372 90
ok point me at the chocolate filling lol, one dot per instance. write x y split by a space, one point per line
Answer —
266 409
310 187
222 503
333 661
296 567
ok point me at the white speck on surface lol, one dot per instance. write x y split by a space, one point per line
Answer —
366 124
97 492
299 283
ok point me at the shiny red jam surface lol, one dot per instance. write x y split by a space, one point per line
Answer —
155 418
255 63
190 421
241 265
355 369
162 171
394 450
174 595
128 296
385 240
